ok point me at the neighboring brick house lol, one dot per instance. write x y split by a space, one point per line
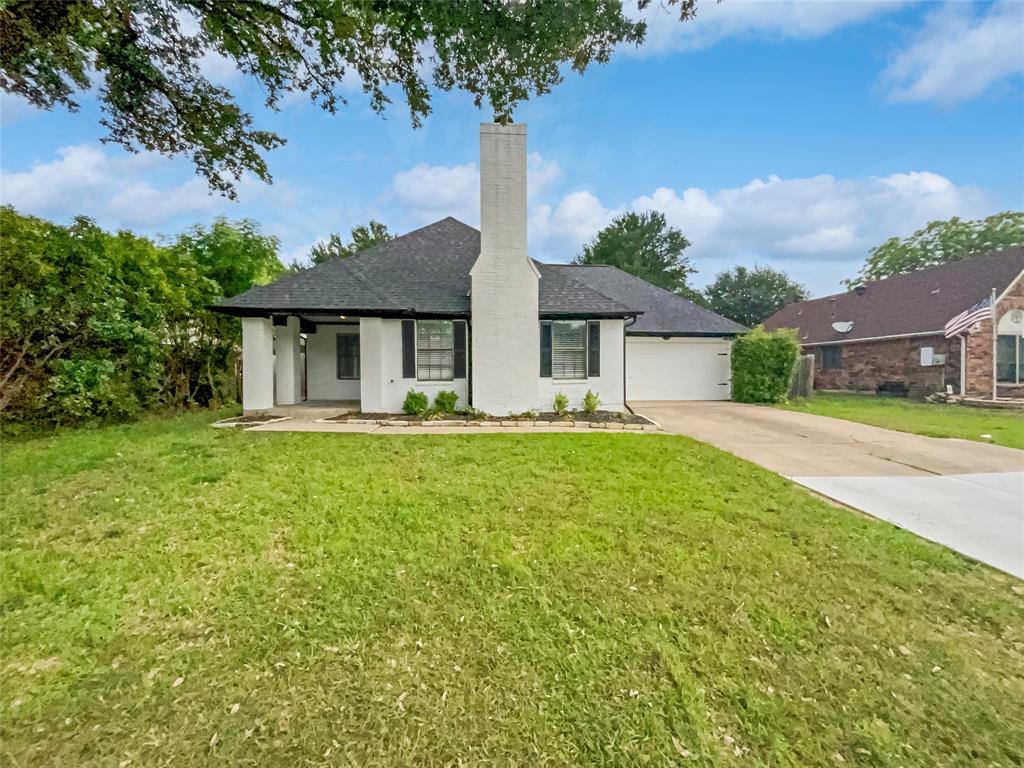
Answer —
893 330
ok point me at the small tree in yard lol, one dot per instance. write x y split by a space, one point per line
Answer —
762 364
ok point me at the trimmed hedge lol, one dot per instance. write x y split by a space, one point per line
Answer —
762 365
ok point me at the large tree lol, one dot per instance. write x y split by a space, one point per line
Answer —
941 242
750 296
362 237
644 245
147 57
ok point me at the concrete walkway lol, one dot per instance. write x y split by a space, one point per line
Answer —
966 495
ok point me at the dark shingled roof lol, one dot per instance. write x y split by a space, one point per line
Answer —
918 302
426 272
665 313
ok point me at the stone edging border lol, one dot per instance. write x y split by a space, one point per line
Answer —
651 427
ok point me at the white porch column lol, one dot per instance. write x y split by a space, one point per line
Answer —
288 363
371 364
257 364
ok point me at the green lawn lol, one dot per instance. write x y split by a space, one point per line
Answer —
179 595
933 419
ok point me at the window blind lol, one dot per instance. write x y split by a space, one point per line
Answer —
569 349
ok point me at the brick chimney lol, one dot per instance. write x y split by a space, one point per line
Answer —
505 329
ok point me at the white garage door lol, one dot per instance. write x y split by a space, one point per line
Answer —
677 369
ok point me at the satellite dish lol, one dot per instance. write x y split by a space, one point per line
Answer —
842 326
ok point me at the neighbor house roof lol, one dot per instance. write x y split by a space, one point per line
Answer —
915 303
426 272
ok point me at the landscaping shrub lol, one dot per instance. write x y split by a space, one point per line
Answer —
762 365
445 401
591 402
561 404
85 390
415 402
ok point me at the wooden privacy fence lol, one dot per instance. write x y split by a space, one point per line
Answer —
802 383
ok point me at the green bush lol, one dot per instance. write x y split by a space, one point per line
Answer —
445 401
415 402
84 390
561 404
762 365
591 402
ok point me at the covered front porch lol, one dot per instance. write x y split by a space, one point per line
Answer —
301 365
340 363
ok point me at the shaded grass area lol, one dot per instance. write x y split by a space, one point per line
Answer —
1006 427
175 594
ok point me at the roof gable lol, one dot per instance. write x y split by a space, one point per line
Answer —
915 303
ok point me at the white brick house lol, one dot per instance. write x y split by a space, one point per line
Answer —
447 307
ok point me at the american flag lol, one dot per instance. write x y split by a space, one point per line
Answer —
969 317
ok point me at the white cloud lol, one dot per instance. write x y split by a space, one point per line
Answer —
959 54
141 204
83 179
784 19
822 221
541 175
431 192
575 219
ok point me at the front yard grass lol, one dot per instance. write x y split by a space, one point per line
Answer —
1006 427
179 595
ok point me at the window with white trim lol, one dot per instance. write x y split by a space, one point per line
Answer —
435 357
569 349
1010 359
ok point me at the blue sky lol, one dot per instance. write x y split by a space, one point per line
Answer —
791 134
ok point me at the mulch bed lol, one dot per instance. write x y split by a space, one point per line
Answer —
600 417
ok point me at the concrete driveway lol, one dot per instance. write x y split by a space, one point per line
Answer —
966 495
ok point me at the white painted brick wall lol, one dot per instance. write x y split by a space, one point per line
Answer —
382 388
322 382
288 363
505 338
608 386
257 364
371 330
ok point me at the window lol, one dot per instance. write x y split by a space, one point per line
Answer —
831 357
435 359
1010 359
348 355
569 349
